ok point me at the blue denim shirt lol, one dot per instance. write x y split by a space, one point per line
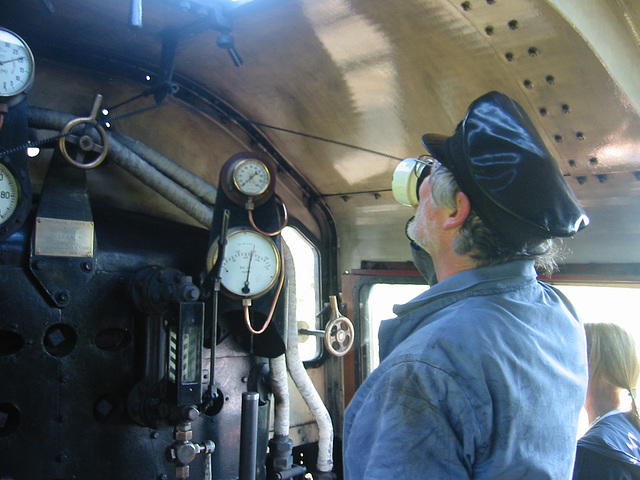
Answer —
482 376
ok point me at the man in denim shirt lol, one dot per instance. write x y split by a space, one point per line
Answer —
483 375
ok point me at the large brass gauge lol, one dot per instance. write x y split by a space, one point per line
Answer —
9 194
251 263
16 64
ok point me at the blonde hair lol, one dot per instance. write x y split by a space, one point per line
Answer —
613 359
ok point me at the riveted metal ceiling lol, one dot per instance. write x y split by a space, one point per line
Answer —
364 79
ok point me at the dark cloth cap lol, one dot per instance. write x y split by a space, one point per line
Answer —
514 183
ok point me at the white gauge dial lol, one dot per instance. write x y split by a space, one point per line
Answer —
251 177
16 64
9 193
251 264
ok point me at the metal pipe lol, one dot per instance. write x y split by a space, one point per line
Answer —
248 436
171 169
294 471
136 166
280 387
166 187
135 17
301 377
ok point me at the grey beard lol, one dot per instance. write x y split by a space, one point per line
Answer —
421 258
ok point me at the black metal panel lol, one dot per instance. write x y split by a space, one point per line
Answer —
66 374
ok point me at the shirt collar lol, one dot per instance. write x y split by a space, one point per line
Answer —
505 274
416 312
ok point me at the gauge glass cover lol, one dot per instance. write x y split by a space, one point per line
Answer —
16 64
251 264
9 193
251 177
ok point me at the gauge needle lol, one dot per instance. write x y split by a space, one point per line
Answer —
12 60
249 179
246 288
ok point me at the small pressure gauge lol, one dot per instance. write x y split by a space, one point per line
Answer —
17 66
251 177
251 264
248 179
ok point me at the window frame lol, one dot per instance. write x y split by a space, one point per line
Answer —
320 287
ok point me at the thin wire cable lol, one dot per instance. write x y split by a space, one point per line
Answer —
286 130
110 119
182 104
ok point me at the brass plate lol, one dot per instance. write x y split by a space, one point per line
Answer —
63 238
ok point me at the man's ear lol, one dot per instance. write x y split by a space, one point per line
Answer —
458 216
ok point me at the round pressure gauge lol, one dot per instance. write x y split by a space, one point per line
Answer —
16 64
251 177
9 194
251 263
248 179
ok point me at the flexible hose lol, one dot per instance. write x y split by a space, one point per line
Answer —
132 163
301 377
280 388
171 169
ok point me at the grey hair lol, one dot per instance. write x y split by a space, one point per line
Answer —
481 242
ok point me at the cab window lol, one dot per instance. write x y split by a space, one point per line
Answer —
307 267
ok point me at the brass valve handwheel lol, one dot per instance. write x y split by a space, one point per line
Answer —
85 143
339 332
339 335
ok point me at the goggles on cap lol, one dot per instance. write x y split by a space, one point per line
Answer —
407 178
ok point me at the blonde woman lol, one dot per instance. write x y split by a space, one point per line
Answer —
611 447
